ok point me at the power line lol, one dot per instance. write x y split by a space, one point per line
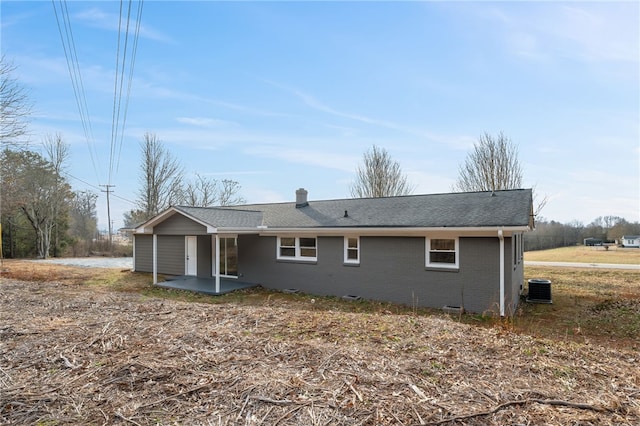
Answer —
132 65
99 189
119 113
114 116
71 56
117 126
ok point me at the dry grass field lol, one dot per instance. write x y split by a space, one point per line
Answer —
89 346
584 254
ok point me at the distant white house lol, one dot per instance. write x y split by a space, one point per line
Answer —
630 241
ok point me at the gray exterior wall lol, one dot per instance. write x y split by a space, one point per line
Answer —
144 253
171 256
516 280
179 225
171 247
204 256
391 269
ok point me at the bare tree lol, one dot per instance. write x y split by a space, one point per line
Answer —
84 217
205 192
200 192
57 152
163 185
14 106
161 179
133 218
14 111
379 176
31 189
228 193
493 165
84 222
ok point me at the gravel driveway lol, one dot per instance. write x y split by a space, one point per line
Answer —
92 262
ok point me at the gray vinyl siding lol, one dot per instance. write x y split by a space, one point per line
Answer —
391 269
515 281
179 225
171 255
204 256
144 253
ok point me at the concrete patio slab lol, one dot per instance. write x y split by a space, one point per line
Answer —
204 285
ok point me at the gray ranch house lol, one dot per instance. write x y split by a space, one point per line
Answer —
457 250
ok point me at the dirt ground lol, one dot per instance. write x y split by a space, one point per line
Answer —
82 354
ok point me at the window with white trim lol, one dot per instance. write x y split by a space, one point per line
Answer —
518 248
442 252
352 250
297 248
228 256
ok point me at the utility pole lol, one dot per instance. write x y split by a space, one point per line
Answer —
108 190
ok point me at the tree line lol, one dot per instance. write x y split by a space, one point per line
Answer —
552 234
42 215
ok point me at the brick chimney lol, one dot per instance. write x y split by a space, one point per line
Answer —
301 198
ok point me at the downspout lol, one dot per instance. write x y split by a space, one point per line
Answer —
133 242
501 238
217 264
155 258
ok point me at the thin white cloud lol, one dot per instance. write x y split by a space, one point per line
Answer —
592 32
98 18
237 173
148 89
311 157
261 195
457 142
206 122
609 33
429 183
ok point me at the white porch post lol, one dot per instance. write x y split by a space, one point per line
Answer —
501 238
133 241
217 257
155 259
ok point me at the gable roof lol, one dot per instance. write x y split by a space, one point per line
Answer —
510 208
221 217
468 209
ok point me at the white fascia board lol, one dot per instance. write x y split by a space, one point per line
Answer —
147 227
237 231
400 231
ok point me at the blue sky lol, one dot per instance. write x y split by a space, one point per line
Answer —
285 95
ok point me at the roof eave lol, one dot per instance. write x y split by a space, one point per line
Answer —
391 231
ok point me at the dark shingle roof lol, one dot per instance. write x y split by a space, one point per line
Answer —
469 209
224 218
